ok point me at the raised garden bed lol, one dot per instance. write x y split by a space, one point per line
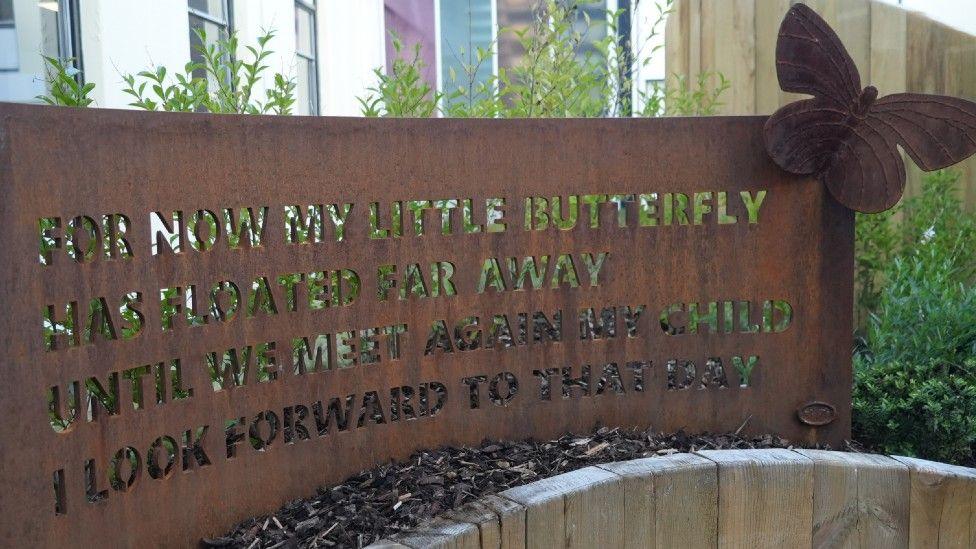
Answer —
393 499
725 498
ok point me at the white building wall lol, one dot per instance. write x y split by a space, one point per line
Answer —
20 54
351 45
128 36
648 42
252 18
28 12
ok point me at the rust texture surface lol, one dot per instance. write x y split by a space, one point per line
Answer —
720 288
845 135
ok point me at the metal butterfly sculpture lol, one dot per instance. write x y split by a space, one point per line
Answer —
848 137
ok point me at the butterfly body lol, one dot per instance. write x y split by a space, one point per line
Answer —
868 97
846 135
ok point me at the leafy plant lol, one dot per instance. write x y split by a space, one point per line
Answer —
925 409
402 93
64 89
557 77
467 96
682 98
562 72
221 83
925 313
934 220
915 365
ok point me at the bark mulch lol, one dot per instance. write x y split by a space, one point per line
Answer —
383 501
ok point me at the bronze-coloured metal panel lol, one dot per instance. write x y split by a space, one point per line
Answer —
704 218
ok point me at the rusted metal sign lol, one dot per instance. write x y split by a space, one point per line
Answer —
206 316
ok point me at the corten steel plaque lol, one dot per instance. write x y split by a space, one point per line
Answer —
666 274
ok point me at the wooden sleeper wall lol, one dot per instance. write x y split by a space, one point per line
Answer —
723 498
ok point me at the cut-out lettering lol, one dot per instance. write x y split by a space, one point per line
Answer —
85 238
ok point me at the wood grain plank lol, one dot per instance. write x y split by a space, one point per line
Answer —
484 518
853 25
742 57
593 514
939 60
723 498
765 498
511 521
942 504
889 48
960 81
695 37
386 544
769 16
442 533
670 501
676 42
860 500
716 31
547 523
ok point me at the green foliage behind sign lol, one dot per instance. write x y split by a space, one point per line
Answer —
915 366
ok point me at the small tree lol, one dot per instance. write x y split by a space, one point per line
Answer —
64 87
226 86
559 75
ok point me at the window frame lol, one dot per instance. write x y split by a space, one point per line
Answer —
311 7
11 24
226 24
8 23
69 35
439 44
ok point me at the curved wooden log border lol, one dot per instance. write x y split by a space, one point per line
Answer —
723 498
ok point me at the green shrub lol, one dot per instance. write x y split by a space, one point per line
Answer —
224 82
403 92
933 224
683 98
925 409
915 363
925 313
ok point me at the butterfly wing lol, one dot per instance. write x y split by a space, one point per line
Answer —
859 164
866 173
935 131
811 59
803 136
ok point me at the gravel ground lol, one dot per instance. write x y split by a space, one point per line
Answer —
391 498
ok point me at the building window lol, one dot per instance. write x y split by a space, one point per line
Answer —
307 88
412 21
213 19
8 37
516 16
60 30
465 27
594 31
28 31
